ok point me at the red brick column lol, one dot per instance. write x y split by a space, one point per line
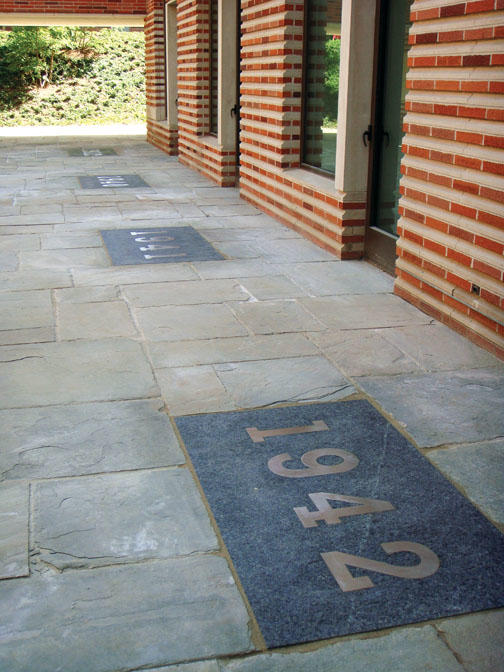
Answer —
451 243
196 148
158 131
271 82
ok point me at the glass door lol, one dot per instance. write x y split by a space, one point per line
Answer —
386 130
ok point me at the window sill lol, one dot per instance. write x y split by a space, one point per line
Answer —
307 178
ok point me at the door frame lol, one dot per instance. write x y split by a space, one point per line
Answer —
379 246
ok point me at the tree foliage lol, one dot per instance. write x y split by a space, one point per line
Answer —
331 80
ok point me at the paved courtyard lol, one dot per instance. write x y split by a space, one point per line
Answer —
110 559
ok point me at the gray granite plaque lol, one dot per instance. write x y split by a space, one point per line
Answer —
336 524
92 151
111 181
172 244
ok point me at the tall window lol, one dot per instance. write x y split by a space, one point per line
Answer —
214 65
321 84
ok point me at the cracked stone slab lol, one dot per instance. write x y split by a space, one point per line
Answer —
444 407
13 530
58 373
274 317
95 320
120 518
276 381
363 311
185 293
337 277
478 640
479 470
220 350
23 336
202 666
143 615
363 352
78 439
420 647
435 347
272 287
194 389
176 323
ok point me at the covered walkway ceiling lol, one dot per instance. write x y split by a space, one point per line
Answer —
62 19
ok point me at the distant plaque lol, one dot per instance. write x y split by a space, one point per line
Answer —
92 151
158 246
111 181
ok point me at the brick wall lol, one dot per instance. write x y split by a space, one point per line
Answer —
451 245
75 6
271 80
196 148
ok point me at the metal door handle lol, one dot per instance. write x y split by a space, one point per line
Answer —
367 136
234 110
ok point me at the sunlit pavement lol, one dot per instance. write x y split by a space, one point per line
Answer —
109 557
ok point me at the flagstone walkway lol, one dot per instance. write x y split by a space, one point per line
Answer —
109 559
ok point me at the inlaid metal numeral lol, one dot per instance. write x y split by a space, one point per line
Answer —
337 563
333 516
313 468
258 435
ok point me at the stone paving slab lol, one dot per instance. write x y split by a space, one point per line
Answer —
175 323
122 617
26 310
363 352
185 293
479 470
24 336
34 280
68 258
221 350
405 650
93 294
58 373
435 347
9 261
234 269
272 287
276 317
445 407
133 275
52 241
18 242
478 640
274 381
120 518
80 439
294 250
95 320
337 277
13 530
363 311
195 389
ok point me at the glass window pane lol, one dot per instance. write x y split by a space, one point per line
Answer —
321 83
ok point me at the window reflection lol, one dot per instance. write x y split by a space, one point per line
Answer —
321 83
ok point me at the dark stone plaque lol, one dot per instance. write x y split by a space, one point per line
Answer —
336 524
111 181
158 246
92 151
